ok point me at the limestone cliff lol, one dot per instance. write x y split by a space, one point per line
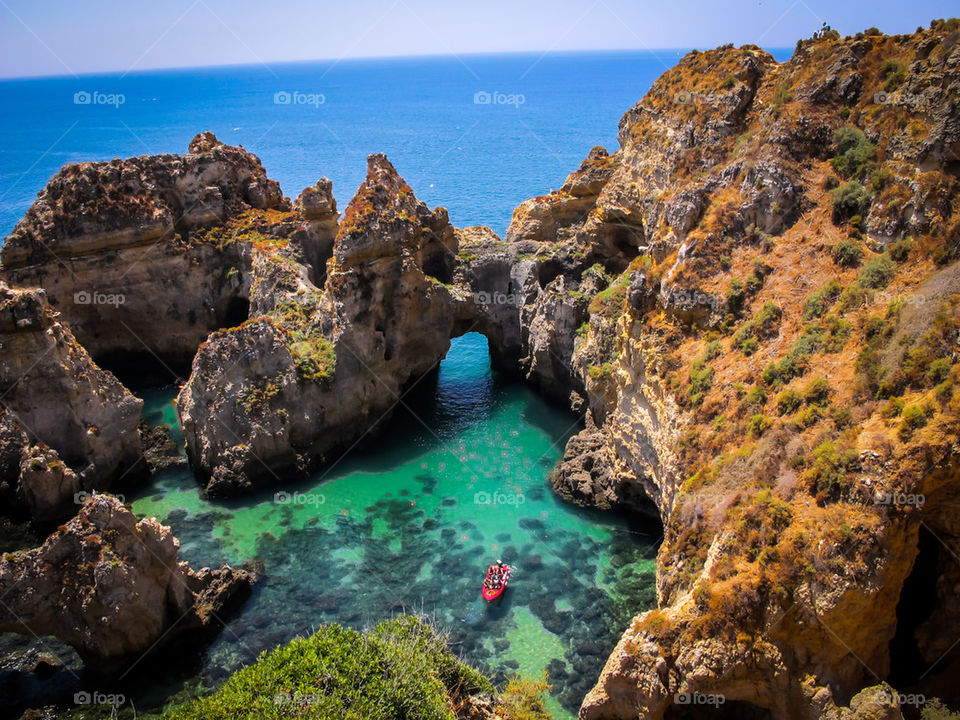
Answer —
146 256
113 588
318 369
66 426
774 368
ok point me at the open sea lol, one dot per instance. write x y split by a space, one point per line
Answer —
410 522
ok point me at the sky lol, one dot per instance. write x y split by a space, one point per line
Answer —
74 37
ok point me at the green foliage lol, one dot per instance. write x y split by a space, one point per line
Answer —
583 330
877 272
776 374
760 326
756 396
817 391
914 417
255 399
829 473
600 372
788 401
855 155
846 253
848 200
522 699
759 424
701 378
819 301
400 669
313 355
934 709
893 73
609 302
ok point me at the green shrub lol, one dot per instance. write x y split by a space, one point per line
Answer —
788 401
609 302
759 424
522 699
701 378
819 301
855 155
893 73
842 417
400 669
846 253
848 200
829 473
938 370
780 373
934 709
756 396
817 391
877 272
914 417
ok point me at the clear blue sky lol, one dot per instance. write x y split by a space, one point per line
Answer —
62 37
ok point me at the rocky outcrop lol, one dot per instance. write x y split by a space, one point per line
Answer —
795 556
113 588
67 426
322 369
145 256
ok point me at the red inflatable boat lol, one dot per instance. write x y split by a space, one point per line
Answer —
493 586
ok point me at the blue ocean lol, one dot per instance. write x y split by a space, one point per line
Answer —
478 159
460 477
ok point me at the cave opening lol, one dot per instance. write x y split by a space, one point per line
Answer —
141 370
237 312
918 599
697 706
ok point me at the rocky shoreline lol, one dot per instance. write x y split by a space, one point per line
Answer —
731 299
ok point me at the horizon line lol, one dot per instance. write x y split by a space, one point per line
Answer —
407 56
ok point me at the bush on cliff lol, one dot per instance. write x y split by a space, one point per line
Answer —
401 668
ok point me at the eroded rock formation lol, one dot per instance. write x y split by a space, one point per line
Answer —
113 588
66 426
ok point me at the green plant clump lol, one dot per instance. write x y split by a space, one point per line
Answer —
401 668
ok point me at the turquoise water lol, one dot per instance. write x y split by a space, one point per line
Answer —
409 524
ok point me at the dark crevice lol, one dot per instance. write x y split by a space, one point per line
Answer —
918 600
139 370
238 311
700 706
